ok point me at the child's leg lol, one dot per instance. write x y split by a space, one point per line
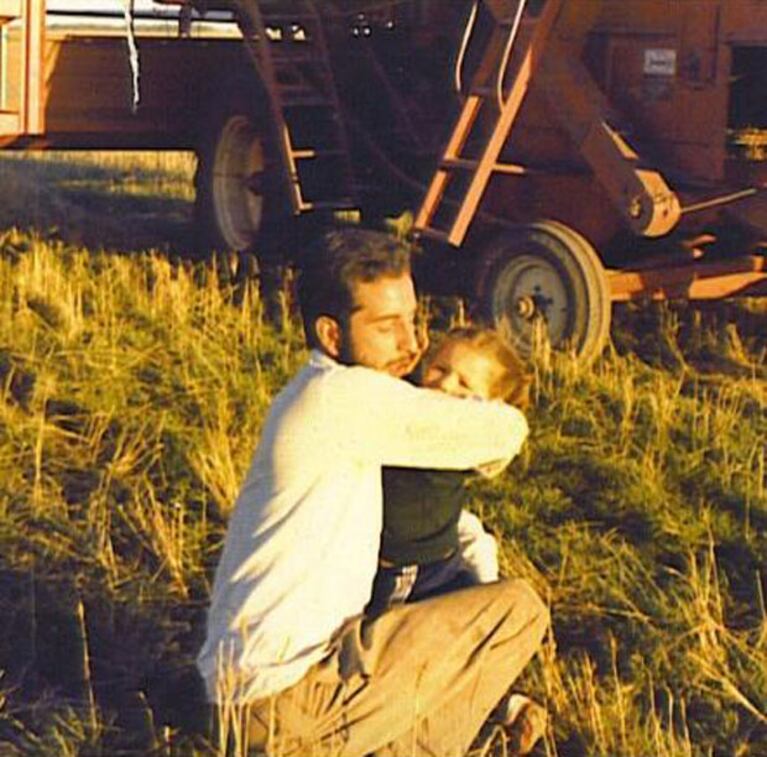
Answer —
478 548
441 577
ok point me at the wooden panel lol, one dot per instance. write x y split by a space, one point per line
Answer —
10 9
666 68
9 124
89 93
672 92
21 47
639 16
34 27
576 200
700 106
11 44
744 22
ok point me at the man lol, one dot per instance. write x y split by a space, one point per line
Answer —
285 632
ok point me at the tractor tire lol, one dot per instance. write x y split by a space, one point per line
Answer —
237 193
546 271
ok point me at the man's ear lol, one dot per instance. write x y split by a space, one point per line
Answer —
328 333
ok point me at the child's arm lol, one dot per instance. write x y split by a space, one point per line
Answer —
478 548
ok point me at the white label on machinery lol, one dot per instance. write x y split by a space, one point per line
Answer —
660 61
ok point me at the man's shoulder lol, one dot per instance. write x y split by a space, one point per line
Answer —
321 378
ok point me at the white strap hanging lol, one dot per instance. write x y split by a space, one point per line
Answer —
132 53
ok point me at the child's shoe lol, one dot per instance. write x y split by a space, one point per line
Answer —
525 723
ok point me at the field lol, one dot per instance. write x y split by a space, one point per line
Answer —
132 388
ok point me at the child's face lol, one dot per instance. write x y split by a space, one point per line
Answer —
461 370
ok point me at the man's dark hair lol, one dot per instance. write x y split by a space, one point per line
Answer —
341 259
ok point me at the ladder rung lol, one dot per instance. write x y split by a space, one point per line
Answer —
509 168
436 234
314 153
459 163
342 203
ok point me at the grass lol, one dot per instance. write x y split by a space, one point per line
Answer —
127 201
132 389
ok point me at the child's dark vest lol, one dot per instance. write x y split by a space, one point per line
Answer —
421 511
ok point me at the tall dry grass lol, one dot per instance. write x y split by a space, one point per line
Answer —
132 391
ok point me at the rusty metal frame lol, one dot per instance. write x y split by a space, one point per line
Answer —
640 194
744 276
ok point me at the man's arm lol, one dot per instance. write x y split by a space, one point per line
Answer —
390 422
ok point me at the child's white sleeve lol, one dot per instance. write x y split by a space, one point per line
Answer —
478 548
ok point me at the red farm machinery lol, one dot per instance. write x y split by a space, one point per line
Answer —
560 155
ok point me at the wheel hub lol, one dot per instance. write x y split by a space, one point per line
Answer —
531 305
525 307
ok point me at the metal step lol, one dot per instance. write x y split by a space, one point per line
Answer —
435 234
464 163
342 203
314 153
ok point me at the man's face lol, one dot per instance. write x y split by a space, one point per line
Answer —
380 332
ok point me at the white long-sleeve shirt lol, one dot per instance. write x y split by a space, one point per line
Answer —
301 550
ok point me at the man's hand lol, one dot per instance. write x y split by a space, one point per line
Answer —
493 469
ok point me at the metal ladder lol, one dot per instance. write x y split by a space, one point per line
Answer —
488 92
286 42
21 74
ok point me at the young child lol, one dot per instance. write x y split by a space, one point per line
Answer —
430 543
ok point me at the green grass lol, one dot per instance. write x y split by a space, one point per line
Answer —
132 389
127 201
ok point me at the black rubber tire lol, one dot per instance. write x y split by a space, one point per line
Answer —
555 267
237 194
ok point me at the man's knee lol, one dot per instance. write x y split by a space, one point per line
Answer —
525 605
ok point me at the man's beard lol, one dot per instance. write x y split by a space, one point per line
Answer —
399 367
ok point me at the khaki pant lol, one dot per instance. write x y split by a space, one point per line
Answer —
419 680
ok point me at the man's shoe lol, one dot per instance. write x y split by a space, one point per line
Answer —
525 723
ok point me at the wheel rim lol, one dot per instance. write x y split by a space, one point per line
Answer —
238 174
546 280
530 286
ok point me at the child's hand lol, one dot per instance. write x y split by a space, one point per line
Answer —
422 342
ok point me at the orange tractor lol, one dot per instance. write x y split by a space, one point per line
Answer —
562 155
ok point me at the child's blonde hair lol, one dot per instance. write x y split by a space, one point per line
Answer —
512 384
